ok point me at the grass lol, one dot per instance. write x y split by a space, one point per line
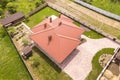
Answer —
93 35
38 17
77 23
11 66
47 70
96 68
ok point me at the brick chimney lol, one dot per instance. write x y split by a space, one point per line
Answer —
45 25
50 20
49 38
60 23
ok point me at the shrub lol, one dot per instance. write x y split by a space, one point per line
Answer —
25 42
35 64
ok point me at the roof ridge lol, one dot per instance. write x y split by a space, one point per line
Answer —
67 37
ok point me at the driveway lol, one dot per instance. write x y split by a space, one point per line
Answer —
80 66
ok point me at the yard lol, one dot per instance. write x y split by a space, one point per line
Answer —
96 68
11 66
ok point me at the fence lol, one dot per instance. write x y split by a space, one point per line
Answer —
98 10
59 9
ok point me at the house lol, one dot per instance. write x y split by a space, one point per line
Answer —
56 37
13 19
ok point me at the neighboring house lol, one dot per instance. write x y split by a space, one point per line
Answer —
57 37
13 19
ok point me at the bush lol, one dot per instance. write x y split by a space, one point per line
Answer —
25 42
35 64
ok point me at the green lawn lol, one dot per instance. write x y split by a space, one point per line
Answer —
38 17
93 35
47 70
96 68
107 5
11 66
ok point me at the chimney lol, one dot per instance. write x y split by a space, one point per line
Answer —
59 15
49 38
60 23
50 19
45 25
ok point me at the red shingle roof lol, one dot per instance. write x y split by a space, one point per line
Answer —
58 39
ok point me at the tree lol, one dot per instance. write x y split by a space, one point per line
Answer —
3 3
11 7
38 3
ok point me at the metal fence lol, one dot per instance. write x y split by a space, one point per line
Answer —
101 11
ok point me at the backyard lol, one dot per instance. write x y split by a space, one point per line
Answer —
11 66
96 67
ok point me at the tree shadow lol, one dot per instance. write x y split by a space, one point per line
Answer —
50 62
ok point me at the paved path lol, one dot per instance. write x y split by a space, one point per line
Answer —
80 66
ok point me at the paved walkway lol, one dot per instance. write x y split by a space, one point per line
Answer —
80 66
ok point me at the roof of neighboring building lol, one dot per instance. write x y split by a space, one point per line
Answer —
12 18
57 38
